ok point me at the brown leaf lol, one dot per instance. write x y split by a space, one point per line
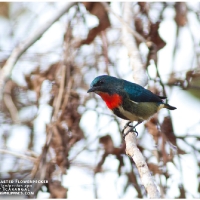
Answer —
57 190
151 126
144 7
52 72
72 117
167 129
154 36
97 9
139 25
192 74
182 192
107 143
173 80
155 169
36 84
181 13
34 81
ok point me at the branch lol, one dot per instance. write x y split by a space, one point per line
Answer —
136 155
9 103
139 73
4 151
60 92
124 23
23 46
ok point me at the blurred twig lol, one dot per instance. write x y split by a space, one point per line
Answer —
4 151
8 101
23 46
135 34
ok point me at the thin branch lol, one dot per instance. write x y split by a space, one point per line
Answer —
4 151
23 46
9 103
135 33
136 155
139 73
60 93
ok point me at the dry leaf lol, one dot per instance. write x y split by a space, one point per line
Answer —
107 143
144 7
151 126
155 169
167 129
57 190
97 9
154 36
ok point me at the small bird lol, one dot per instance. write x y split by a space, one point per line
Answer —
128 100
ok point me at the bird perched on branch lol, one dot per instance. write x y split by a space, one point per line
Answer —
127 100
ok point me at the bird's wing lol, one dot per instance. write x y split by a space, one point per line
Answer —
139 94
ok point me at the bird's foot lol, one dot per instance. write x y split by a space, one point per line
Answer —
131 129
126 125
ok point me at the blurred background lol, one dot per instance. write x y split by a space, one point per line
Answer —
52 129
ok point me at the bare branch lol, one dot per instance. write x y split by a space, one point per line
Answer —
4 151
124 23
23 46
136 155
139 74
60 93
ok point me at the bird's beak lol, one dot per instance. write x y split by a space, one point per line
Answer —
91 90
95 89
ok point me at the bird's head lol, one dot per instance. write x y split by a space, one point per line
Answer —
108 88
104 83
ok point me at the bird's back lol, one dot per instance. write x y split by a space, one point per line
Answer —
139 94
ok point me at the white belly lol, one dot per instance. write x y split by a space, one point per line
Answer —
130 116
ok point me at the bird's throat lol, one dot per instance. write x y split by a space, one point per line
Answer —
112 101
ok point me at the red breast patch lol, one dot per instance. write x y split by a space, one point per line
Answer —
112 101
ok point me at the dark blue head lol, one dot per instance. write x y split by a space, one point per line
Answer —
105 83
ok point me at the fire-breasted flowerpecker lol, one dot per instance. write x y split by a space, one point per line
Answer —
127 100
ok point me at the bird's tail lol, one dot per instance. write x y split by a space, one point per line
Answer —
169 107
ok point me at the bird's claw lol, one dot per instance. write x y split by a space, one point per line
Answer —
132 128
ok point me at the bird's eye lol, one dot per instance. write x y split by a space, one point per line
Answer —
100 82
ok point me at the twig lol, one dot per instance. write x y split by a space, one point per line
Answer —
136 155
3 151
135 33
23 46
8 101
60 93
105 50
43 155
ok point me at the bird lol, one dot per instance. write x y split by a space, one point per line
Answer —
128 100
